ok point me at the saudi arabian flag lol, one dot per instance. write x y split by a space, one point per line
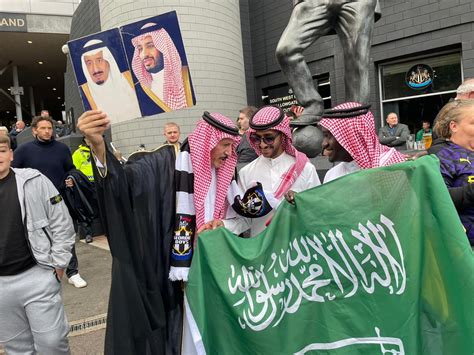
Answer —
376 262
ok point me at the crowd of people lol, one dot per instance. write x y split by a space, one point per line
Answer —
59 130
224 174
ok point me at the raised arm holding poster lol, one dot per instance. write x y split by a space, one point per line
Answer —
158 81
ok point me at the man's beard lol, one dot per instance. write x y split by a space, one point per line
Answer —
44 140
99 82
158 67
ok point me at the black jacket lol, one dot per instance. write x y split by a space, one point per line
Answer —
137 203
80 198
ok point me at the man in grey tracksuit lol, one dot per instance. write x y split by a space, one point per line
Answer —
36 237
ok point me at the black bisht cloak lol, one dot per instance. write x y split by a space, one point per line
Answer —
137 202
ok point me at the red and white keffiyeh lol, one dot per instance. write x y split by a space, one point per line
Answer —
266 116
357 135
201 142
173 87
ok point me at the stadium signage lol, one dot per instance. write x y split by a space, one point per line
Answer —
12 22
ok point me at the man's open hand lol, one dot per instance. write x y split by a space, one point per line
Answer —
211 225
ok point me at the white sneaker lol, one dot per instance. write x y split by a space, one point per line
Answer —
77 281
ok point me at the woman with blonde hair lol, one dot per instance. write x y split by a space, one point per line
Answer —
3 131
455 123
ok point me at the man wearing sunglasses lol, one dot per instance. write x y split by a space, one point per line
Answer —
278 169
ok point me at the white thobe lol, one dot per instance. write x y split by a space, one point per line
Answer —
341 169
157 84
269 173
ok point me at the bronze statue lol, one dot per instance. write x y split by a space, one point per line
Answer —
353 22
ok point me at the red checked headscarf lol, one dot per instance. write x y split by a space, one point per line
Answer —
357 135
201 141
265 116
173 89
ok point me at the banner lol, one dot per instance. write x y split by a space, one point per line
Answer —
376 262
139 69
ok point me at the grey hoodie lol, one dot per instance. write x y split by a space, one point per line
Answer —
46 219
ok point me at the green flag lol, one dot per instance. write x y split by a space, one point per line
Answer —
376 262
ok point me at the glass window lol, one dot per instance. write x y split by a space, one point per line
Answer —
412 112
446 76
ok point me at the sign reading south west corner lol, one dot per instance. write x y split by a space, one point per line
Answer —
342 273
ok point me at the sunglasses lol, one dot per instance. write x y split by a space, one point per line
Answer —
256 139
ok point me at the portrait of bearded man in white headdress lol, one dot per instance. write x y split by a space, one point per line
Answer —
157 65
107 88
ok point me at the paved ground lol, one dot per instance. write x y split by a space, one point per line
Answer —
87 306
88 344
94 267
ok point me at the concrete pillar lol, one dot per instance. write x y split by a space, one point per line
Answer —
32 101
212 39
19 115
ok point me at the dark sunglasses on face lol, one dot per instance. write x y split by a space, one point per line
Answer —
256 139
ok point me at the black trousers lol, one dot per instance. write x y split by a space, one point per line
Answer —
73 267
